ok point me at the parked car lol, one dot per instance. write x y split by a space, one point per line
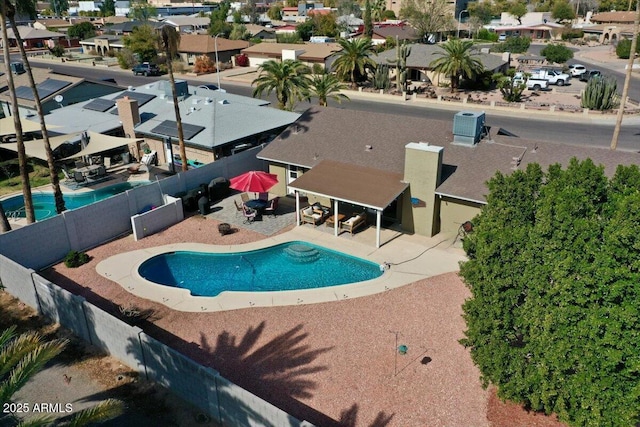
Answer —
532 84
554 77
585 77
502 37
577 70
146 69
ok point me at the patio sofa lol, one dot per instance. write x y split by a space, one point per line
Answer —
354 222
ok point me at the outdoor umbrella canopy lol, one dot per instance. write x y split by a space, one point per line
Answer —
254 181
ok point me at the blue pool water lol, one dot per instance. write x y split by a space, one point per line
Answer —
287 266
44 204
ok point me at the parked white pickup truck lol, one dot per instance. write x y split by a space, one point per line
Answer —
532 84
552 76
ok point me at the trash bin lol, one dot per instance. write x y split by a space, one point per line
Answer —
203 205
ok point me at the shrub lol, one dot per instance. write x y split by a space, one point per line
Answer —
57 50
76 259
126 60
485 34
242 60
381 79
204 64
557 53
623 50
571 33
513 45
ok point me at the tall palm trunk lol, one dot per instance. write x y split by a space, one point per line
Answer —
4 223
169 42
53 172
22 156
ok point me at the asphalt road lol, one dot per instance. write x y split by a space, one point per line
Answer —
526 127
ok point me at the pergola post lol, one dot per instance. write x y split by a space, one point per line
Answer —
297 208
335 217
378 225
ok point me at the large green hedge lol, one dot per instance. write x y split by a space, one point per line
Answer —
554 271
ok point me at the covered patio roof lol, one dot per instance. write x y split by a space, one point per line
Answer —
36 148
99 142
360 185
7 126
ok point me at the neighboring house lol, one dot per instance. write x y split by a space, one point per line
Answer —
102 44
194 45
59 25
408 174
36 39
50 85
611 26
260 32
188 24
402 33
126 28
422 55
289 13
309 53
286 29
210 120
535 25
353 24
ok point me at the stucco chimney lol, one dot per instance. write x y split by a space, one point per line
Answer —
129 115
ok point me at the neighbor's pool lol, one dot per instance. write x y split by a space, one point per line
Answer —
44 204
287 266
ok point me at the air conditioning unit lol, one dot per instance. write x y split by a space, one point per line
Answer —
468 127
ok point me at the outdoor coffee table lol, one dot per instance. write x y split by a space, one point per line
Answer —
329 222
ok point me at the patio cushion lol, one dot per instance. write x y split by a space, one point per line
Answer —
308 211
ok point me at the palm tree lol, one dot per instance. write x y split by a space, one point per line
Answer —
353 60
169 41
53 172
288 79
22 356
22 156
327 85
456 60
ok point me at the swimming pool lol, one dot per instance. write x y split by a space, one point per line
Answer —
286 266
44 204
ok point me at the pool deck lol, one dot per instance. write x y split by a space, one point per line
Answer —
410 257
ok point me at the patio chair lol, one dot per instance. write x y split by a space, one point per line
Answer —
309 215
263 196
249 215
79 177
272 207
353 223
238 206
245 197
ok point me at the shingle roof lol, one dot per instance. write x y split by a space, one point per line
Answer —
203 43
28 33
616 16
422 54
403 33
341 135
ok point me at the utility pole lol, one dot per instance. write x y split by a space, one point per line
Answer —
627 79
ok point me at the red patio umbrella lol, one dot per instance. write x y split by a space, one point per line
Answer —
254 181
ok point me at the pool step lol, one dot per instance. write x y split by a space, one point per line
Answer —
302 253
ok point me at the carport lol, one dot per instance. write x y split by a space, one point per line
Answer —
358 185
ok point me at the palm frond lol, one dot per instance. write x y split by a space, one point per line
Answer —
14 349
103 411
45 420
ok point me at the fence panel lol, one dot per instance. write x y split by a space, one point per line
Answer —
18 281
24 245
184 377
114 336
61 306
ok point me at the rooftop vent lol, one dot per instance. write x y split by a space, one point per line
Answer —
207 101
223 102
182 89
131 88
368 147
468 127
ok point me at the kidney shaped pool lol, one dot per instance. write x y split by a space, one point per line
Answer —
287 266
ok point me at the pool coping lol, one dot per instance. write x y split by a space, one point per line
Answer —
123 270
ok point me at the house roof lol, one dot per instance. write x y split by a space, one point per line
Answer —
40 75
256 29
128 26
204 43
360 185
312 51
402 32
614 17
28 33
337 135
180 21
218 116
422 54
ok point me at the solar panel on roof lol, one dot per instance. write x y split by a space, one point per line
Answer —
142 98
24 92
170 128
99 104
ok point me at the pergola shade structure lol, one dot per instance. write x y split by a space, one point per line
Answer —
359 185
36 148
